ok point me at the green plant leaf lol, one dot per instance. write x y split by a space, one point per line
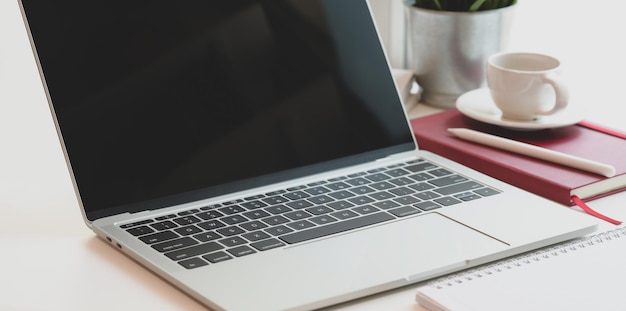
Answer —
437 4
474 7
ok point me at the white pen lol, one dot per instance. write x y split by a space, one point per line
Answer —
534 151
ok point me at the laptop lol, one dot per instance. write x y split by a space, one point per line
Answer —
256 154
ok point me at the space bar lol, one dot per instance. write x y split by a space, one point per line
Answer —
333 228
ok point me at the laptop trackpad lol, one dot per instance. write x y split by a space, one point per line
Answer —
411 249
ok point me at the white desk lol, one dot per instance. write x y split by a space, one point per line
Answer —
49 260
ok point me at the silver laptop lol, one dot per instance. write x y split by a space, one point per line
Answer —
256 154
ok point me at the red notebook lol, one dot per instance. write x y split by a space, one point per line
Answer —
559 183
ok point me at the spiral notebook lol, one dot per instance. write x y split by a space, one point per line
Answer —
584 274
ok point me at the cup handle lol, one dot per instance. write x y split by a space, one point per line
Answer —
561 91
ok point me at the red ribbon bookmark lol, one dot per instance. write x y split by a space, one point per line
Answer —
591 212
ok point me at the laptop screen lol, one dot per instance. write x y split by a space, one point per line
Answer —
163 102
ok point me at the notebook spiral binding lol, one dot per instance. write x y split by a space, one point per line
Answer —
528 258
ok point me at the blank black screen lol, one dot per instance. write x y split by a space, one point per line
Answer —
162 102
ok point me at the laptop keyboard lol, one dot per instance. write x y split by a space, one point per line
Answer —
228 230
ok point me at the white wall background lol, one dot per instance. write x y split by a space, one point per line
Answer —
389 17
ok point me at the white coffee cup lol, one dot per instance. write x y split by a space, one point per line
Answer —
526 85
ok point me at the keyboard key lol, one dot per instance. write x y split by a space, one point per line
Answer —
446 201
138 223
217 257
275 200
253 205
297 215
344 214
427 206
233 241
231 202
194 251
233 219
421 177
357 174
382 195
467 196
209 215
164 225
336 227
360 200
358 181
255 236
338 186
210 207
278 230
377 177
448 180
439 172
319 210
404 211
321 199
382 185
297 195
174 244
376 170
397 172
296 188
362 190
386 204
141 230
317 190
402 181
299 204
211 225
465 186
193 263
300 224
230 231
365 209
274 193
421 186
254 197
322 220
166 217
241 251
406 200
278 209
256 214
486 191
427 195
342 194
189 212
275 220
253 225
188 230
232 209
267 244
158 237
186 220
402 191
421 167
339 205
207 236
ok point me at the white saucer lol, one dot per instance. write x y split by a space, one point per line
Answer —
477 104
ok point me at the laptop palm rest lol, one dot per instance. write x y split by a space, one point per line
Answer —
423 244
413 249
